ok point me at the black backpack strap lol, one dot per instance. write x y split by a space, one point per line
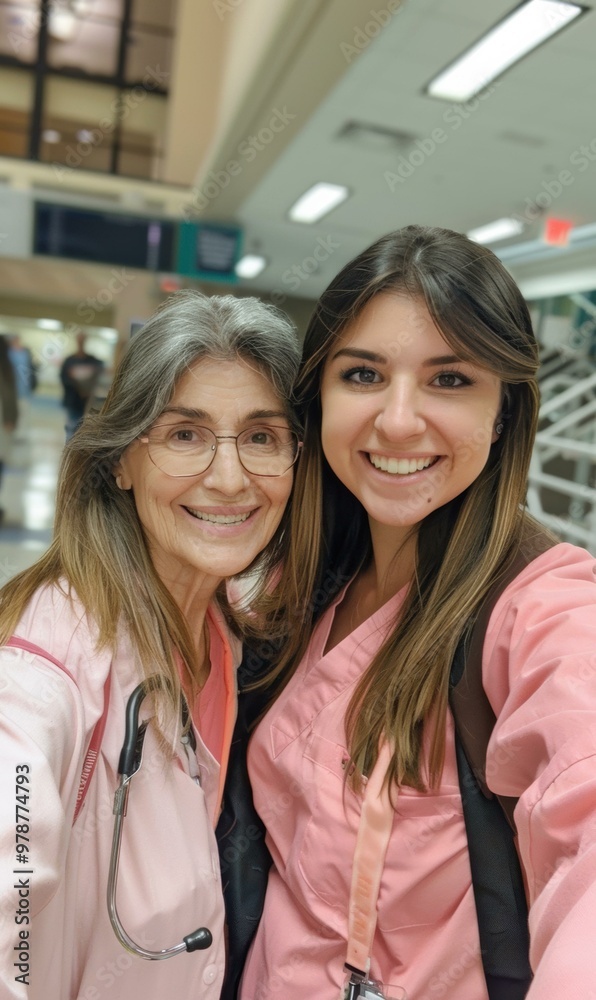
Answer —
497 877
499 893
472 711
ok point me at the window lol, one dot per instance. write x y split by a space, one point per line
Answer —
87 89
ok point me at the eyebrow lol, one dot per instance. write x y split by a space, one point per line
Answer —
381 359
356 352
442 359
194 414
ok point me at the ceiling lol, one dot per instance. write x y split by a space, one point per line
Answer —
499 156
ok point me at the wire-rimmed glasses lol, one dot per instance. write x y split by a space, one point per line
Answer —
185 449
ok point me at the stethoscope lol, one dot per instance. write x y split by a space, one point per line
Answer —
128 765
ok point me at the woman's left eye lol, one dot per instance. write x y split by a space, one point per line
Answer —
361 376
450 380
260 437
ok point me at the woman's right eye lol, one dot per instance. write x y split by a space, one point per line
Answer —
186 435
361 376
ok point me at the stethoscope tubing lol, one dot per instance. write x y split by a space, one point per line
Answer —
129 763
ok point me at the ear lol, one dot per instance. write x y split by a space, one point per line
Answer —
123 481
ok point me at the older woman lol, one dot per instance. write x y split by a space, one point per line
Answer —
179 482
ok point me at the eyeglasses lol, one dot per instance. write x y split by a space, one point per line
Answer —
187 450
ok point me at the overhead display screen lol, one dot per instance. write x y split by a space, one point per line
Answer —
104 237
208 251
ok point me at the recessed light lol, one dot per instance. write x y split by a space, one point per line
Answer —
250 265
500 229
317 202
523 30
51 135
49 324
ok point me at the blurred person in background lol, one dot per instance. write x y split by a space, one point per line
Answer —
25 372
180 482
79 374
8 402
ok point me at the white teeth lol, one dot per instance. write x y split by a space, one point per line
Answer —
400 466
220 518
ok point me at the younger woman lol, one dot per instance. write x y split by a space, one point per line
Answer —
419 398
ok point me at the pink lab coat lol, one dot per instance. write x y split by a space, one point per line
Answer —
539 670
169 882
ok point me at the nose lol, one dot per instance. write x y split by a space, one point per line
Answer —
400 413
226 474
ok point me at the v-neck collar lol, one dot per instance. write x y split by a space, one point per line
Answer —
323 677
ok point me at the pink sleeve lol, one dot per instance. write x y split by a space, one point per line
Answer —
539 669
41 745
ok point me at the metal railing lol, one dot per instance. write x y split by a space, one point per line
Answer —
562 481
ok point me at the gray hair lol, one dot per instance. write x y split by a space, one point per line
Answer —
99 546
190 326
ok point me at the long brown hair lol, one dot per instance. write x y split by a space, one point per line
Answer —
99 551
462 546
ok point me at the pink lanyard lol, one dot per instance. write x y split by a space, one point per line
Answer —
374 831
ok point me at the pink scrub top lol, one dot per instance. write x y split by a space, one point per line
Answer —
539 671
215 709
169 882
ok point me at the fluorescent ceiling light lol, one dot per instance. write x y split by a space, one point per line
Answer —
250 265
526 28
49 324
317 202
500 229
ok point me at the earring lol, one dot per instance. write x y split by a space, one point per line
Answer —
119 482
499 427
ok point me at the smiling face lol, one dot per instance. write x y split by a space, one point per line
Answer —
407 426
203 528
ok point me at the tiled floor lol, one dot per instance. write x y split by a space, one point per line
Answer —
29 486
